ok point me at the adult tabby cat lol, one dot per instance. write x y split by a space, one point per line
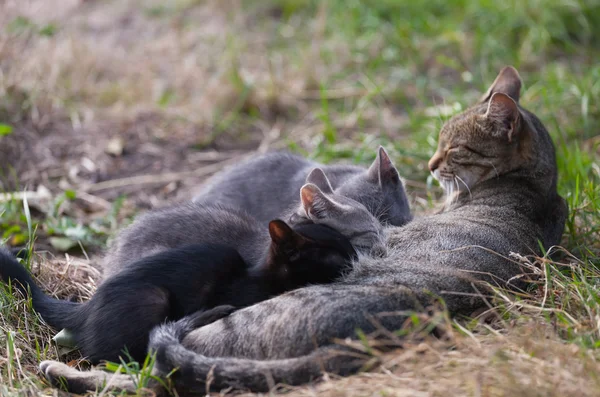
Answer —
267 186
504 200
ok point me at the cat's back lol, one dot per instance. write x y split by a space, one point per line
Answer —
189 273
248 178
179 225
192 221
268 185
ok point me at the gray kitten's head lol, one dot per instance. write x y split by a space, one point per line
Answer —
321 205
380 190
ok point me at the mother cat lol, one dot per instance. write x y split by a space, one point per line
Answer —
497 164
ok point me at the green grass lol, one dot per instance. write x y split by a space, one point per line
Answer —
56 223
370 72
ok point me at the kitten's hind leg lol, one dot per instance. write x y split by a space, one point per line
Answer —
114 325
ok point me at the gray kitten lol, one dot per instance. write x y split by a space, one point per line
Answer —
497 163
192 223
267 186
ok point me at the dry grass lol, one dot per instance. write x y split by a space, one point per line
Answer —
101 95
525 362
511 350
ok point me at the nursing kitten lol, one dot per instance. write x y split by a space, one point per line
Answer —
193 223
267 186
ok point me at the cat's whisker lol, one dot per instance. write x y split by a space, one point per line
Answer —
383 209
455 198
494 167
467 186
376 210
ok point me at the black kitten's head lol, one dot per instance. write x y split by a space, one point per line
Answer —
307 254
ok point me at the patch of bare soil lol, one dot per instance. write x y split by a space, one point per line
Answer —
149 159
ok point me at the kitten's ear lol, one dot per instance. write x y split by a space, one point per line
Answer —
316 204
317 177
382 170
504 109
508 82
280 232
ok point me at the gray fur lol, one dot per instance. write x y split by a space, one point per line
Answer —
190 223
456 255
267 186
184 224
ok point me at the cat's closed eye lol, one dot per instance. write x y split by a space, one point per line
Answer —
458 154
460 151
473 151
455 151
463 156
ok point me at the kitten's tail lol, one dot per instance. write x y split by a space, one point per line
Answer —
195 373
57 313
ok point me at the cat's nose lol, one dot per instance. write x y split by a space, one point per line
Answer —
435 162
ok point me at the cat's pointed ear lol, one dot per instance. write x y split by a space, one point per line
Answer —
503 109
508 82
316 204
317 177
280 232
383 171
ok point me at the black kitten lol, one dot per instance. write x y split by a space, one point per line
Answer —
180 281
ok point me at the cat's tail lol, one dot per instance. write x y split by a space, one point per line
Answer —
57 313
195 373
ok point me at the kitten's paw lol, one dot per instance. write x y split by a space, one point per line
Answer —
205 317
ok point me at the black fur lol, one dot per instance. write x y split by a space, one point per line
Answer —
178 282
20 252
